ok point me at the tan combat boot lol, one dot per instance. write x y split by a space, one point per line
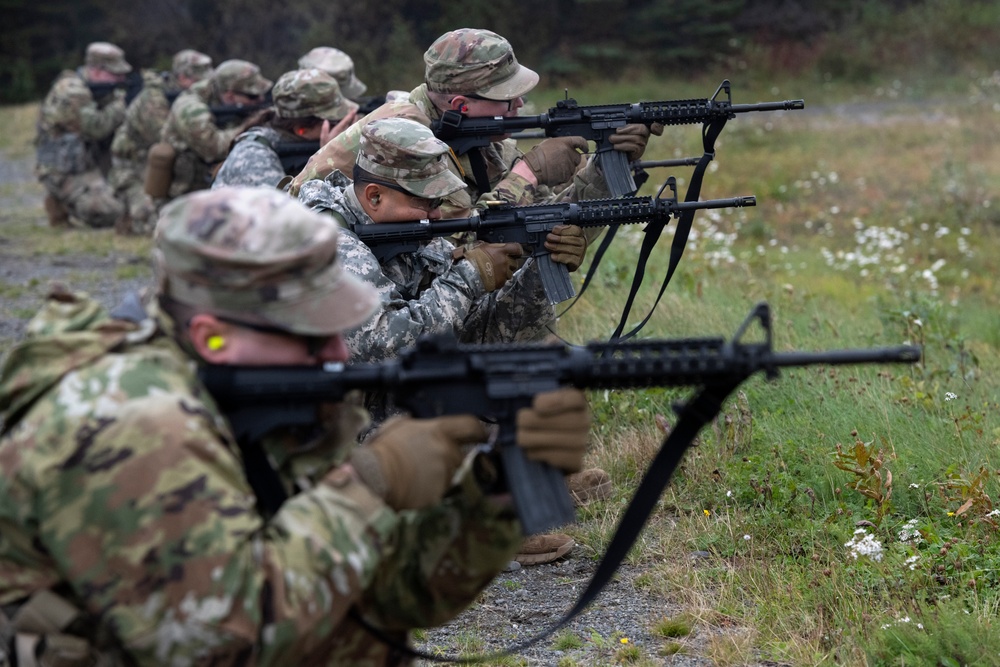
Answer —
539 549
588 485
57 213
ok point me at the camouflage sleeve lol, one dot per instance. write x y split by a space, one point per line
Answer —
517 312
144 509
99 123
512 188
398 322
341 151
195 125
147 114
463 544
250 163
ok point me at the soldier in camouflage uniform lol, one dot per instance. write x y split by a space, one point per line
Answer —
71 126
472 292
129 528
144 120
308 106
191 129
339 65
475 72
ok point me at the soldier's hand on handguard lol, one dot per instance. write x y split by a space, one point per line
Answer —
410 462
567 245
555 160
555 428
496 262
632 139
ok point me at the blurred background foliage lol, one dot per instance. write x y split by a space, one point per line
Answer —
566 41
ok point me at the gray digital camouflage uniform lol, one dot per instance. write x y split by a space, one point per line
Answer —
427 291
255 157
121 486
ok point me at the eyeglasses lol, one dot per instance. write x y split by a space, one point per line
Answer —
417 202
313 343
509 103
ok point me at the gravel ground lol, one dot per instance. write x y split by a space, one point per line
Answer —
518 605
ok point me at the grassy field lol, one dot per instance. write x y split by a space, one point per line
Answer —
846 514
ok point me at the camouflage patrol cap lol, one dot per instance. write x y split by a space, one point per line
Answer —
257 255
468 61
408 153
240 76
107 56
193 64
310 92
339 65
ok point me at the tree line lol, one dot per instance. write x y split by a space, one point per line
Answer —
564 40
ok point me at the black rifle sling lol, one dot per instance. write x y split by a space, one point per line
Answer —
478 163
710 132
692 417
263 478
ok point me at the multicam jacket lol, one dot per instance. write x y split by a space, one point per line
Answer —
427 291
254 160
200 143
499 157
143 124
70 125
121 486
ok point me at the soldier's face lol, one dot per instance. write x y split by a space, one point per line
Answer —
396 206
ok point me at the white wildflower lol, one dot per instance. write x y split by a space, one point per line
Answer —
864 544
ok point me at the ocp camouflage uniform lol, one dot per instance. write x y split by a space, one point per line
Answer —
70 127
143 124
121 486
449 63
192 130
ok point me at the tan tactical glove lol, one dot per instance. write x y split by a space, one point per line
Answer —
410 462
555 160
631 139
496 262
567 245
554 429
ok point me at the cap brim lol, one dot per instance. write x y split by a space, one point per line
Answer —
342 110
354 88
440 184
516 86
259 87
122 68
347 304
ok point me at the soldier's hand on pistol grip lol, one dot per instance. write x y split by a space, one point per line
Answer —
555 160
632 139
496 262
555 428
410 462
567 245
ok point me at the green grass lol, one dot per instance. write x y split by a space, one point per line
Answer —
780 584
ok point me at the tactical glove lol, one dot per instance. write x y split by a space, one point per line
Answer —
631 139
496 262
567 245
554 429
555 160
410 462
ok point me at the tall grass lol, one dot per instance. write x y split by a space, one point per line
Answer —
848 512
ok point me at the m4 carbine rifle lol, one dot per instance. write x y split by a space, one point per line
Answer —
441 377
529 225
597 124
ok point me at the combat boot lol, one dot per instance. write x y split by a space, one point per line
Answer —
588 485
57 213
540 549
